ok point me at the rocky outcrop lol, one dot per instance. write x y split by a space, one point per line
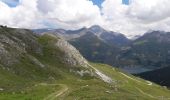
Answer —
9 51
74 58
72 55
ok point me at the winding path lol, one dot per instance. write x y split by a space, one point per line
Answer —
149 95
56 94
148 82
65 88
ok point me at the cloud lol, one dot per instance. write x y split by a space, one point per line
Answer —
25 15
60 13
81 13
136 18
148 11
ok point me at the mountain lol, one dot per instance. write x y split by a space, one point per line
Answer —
36 67
95 43
150 51
39 31
146 53
66 34
26 54
93 49
109 37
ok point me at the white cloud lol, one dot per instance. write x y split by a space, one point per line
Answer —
150 10
60 13
71 13
25 15
136 18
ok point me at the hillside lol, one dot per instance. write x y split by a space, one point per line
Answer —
160 76
95 43
47 67
151 50
146 53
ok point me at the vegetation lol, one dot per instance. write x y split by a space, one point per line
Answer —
40 73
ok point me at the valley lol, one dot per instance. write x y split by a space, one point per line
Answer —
46 67
84 50
146 53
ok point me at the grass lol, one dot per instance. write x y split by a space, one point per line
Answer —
133 86
28 81
37 92
93 89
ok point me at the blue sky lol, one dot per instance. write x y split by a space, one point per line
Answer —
99 2
11 3
14 3
125 2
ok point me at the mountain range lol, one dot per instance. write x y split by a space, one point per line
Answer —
147 53
37 67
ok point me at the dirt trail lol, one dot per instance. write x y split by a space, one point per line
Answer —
56 94
149 95
148 82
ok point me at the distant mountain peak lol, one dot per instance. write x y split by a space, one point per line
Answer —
96 29
96 26
154 31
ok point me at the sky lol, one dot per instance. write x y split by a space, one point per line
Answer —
129 17
98 2
125 2
11 3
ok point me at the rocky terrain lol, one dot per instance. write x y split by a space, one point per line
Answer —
36 67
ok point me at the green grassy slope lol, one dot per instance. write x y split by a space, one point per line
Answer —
72 87
41 74
133 87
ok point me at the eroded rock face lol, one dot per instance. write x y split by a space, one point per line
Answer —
5 58
74 58
72 55
14 43
9 51
29 39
